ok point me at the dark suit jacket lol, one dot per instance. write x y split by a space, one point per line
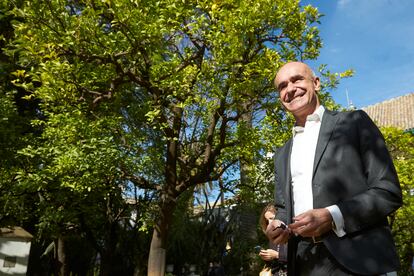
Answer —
353 170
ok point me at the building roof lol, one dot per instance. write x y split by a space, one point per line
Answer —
15 232
397 112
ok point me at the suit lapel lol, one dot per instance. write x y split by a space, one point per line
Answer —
288 191
325 133
292 245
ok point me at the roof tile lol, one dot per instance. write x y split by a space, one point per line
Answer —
397 112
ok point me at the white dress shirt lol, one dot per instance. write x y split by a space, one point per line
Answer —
301 165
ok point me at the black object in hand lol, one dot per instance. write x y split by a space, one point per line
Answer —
282 225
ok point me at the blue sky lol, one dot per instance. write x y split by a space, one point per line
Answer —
373 37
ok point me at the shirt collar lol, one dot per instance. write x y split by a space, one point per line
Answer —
316 116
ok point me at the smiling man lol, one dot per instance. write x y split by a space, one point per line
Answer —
335 186
298 86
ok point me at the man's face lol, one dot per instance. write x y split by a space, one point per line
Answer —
297 89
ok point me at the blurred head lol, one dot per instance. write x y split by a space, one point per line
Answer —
298 89
268 214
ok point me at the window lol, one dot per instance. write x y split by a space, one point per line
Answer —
9 261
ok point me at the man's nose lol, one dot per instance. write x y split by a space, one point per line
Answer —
290 87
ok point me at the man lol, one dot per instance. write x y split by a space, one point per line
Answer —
335 186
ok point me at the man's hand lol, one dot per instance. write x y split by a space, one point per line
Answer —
277 232
312 223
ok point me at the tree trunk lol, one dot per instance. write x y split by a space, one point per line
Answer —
61 265
245 166
168 198
107 257
157 254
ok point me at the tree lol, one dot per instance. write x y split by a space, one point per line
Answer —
153 91
15 129
66 177
401 147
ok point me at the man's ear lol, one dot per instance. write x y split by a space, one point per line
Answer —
317 84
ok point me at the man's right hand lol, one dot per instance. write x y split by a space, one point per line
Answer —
277 232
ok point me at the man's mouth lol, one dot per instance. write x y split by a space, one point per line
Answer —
295 99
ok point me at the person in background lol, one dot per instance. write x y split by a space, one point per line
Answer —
275 255
335 185
216 269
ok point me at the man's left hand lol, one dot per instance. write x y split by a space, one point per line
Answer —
312 223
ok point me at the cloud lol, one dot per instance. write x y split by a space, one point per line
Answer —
343 3
335 50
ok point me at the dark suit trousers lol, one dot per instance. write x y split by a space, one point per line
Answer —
314 259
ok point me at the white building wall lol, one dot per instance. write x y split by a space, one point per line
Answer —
14 248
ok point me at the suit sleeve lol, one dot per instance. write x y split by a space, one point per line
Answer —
382 195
